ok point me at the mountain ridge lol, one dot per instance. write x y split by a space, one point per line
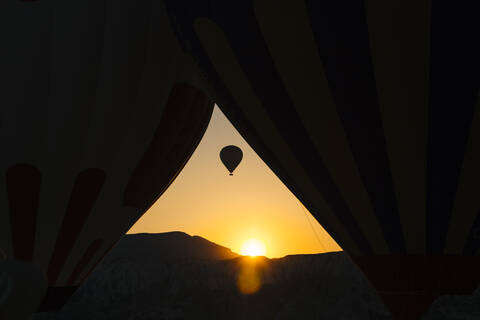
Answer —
168 246
177 276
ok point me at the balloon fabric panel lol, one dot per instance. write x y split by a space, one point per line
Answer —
92 92
453 98
86 189
23 188
371 107
185 106
344 48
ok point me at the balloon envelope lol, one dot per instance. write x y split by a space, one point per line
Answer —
100 110
231 157
368 112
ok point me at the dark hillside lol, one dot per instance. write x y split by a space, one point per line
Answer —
176 276
170 246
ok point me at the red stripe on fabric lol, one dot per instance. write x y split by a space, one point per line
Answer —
23 191
407 307
85 260
85 192
197 122
176 137
410 283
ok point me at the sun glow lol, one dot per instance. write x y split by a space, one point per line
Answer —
253 248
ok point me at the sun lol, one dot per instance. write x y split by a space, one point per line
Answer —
253 248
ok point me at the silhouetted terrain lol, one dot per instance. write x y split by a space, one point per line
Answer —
176 276
168 247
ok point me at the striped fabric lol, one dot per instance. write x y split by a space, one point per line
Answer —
100 111
366 110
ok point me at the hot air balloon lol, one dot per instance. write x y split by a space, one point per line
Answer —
100 110
368 112
231 157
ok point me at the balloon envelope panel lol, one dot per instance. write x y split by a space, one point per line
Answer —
100 110
367 111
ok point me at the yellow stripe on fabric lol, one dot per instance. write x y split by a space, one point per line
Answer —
287 33
229 69
399 40
467 200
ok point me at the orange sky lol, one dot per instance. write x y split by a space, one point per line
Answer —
228 210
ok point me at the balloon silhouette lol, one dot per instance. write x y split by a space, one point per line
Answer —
100 111
367 111
231 157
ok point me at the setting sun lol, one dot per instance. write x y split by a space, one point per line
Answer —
253 248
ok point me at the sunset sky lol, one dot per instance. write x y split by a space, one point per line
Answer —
229 210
